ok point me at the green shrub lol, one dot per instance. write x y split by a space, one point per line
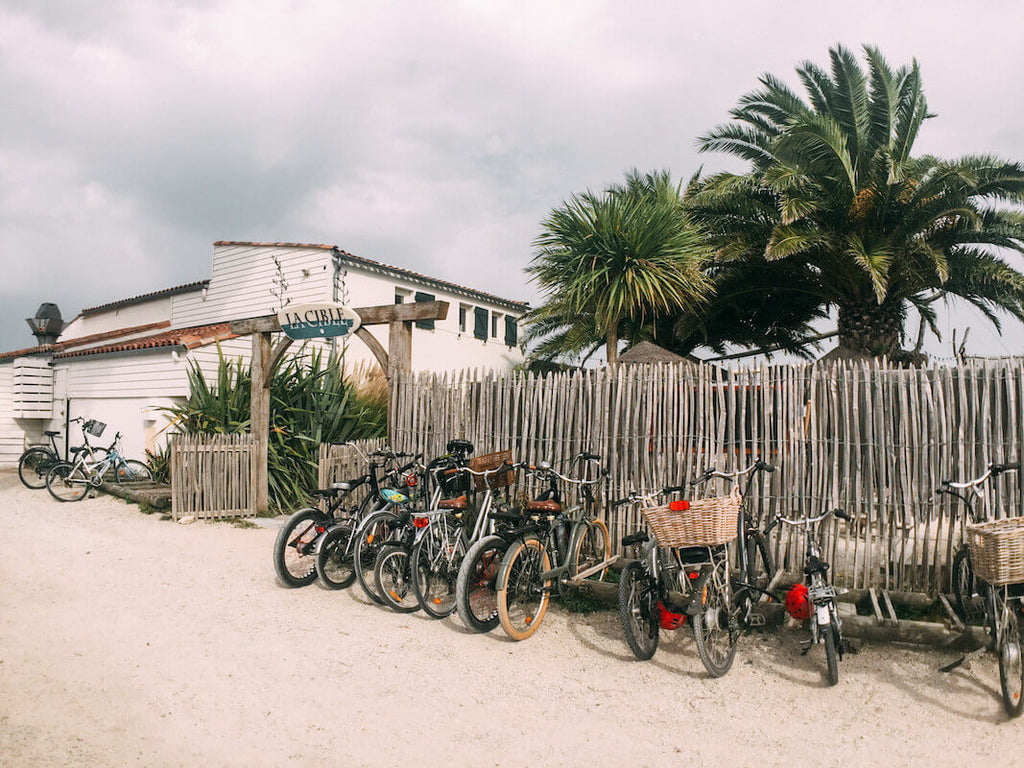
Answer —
311 402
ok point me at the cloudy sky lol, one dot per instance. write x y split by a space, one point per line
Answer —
429 135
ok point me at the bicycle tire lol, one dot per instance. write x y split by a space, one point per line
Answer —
296 545
522 598
67 482
759 562
377 531
435 584
34 465
476 595
393 576
638 611
335 564
132 471
592 547
969 603
716 642
831 652
1011 666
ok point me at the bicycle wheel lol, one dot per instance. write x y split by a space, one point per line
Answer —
638 611
759 562
969 602
334 562
476 596
66 482
377 531
435 574
393 576
716 641
1011 666
592 548
132 471
831 651
34 465
295 547
522 596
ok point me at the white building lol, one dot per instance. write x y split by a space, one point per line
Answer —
123 361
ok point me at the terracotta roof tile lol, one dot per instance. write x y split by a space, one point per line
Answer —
190 338
81 341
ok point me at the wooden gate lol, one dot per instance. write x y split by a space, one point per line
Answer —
211 476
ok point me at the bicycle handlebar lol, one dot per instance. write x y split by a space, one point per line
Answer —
993 470
758 466
809 521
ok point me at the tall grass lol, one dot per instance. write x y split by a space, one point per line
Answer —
311 402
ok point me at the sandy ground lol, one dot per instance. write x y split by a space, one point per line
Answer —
127 640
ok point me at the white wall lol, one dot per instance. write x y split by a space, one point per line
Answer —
242 278
154 311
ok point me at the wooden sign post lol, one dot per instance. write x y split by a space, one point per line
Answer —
266 356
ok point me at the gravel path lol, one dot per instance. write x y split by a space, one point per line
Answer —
128 640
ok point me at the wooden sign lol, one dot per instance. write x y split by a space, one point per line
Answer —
318 321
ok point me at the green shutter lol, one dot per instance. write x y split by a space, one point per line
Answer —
427 325
480 323
511 331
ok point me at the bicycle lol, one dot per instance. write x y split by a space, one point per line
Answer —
71 481
577 542
969 601
441 547
476 594
300 539
814 600
997 574
36 462
645 601
387 526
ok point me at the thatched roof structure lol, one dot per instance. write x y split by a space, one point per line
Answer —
648 352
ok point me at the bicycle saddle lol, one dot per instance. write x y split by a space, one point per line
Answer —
816 565
546 505
460 447
49 433
458 503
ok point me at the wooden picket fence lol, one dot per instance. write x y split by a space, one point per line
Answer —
211 476
872 439
345 462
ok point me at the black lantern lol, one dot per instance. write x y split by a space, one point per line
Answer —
47 324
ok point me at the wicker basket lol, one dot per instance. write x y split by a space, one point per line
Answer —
707 523
486 463
997 550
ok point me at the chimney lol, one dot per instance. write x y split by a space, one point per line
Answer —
47 324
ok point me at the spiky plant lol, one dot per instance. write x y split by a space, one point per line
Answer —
837 209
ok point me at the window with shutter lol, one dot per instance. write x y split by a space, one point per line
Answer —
427 325
511 331
480 323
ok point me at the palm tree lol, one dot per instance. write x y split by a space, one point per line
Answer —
614 259
840 215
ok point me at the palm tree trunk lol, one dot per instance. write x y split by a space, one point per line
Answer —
870 328
613 343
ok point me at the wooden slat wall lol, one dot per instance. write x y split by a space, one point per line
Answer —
210 476
873 439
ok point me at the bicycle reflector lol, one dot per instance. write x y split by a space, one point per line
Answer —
411 480
420 522
797 604
679 506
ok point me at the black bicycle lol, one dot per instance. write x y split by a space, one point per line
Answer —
300 539
36 462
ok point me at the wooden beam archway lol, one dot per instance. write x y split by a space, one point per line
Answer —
266 356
